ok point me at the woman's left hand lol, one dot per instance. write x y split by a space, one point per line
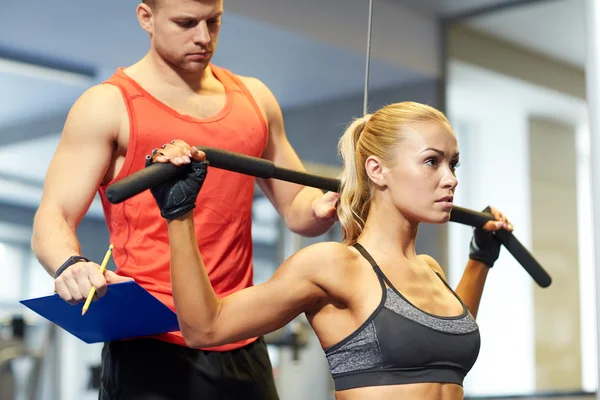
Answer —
484 246
500 221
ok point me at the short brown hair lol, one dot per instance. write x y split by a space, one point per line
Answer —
151 3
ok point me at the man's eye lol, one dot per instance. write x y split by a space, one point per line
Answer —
185 24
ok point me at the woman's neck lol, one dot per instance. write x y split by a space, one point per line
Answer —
388 232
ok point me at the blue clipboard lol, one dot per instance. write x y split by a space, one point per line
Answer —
126 311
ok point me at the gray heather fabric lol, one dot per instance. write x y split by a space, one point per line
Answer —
359 353
458 325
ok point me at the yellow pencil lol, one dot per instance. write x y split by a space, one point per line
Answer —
93 289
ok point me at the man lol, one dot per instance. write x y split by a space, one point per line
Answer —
173 92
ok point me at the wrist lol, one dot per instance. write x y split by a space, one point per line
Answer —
181 218
483 261
320 207
69 262
484 247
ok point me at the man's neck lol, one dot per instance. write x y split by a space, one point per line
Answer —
155 68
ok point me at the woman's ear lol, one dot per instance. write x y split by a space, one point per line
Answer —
145 17
375 170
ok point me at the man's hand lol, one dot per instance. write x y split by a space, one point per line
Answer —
74 284
325 207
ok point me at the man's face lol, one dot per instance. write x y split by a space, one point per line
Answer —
185 32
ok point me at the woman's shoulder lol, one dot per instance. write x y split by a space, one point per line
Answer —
328 263
433 264
332 266
327 253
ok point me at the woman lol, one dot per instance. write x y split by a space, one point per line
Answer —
388 322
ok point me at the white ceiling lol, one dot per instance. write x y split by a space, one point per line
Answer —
555 28
450 8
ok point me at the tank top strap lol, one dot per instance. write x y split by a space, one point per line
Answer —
233 83
227 78
128 86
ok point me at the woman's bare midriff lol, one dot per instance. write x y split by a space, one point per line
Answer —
418 391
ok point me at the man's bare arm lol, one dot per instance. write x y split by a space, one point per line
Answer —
305 210
78 166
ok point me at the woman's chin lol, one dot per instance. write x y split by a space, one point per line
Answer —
439 218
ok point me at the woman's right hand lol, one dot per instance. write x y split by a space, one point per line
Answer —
177 196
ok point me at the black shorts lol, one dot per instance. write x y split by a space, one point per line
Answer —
150 369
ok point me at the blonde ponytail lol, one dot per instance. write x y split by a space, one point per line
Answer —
354 189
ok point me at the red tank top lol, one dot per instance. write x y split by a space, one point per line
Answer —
223 213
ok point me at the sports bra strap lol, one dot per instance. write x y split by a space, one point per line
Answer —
370 259
365 254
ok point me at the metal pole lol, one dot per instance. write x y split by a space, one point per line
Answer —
368 60
593 98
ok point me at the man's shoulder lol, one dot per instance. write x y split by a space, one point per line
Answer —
253 84
101 104
101 92
261 92
250 81
101 95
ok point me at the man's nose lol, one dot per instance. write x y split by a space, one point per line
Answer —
201 34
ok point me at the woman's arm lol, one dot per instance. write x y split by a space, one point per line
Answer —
207 321
470 287
204 319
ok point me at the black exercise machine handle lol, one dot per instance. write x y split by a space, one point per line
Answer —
261 168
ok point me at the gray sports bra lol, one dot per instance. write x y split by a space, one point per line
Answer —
401 344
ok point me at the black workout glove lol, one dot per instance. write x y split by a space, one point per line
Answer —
178 196
484 247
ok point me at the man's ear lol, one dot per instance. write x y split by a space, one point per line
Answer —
145 17
375 170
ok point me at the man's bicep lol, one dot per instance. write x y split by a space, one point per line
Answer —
283 155
83 154
279 150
